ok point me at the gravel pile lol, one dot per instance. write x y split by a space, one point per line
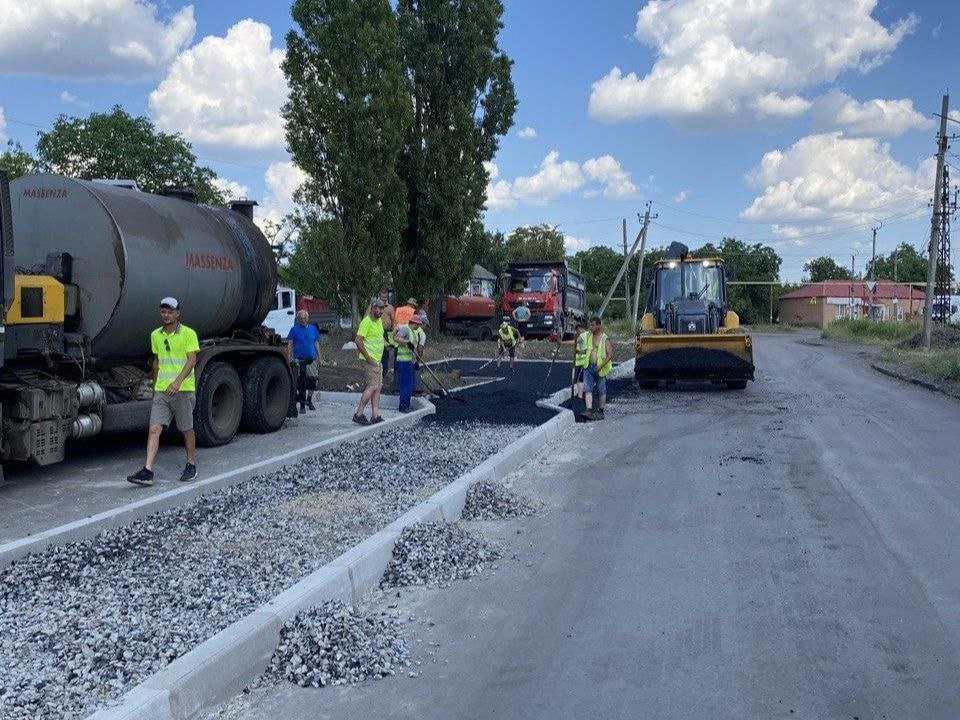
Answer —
82 624
335 645
434 553
492 501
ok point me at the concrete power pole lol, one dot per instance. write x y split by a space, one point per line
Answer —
935 225
626 277
641 236
643 249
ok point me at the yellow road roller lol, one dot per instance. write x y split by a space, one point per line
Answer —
688 331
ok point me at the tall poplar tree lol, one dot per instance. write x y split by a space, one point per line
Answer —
346 118
463 100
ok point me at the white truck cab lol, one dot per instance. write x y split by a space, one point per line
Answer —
283 315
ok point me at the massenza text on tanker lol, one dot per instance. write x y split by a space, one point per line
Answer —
84 267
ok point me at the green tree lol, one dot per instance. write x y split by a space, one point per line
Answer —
905 264
316 236
484 248
825 268
753 263
347 114
463 100
16 161
118 145
535 243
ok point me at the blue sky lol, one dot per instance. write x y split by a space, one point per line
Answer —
795 123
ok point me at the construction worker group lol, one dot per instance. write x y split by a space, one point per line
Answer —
385 331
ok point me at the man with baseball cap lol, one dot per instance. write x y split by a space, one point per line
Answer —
175 348
404 313
370 340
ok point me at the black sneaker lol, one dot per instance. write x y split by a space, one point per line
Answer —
361 420
303 408
600 414
406 410
189 473
141 477
310 405
588 415
376 420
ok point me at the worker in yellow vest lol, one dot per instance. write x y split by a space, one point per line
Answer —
581 358
507 340
370 340
599 364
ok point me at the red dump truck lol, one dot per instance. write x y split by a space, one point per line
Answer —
555 295
473 313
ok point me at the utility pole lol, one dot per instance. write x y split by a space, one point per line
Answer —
641 237
873 254
639 282
935 225
626 277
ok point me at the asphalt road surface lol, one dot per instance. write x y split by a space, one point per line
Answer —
788 551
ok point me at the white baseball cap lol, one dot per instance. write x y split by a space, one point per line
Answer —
170 302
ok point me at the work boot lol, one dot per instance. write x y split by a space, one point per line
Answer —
142 477
311 405
376 420
361 420
303 408
600 414
189 473
588 415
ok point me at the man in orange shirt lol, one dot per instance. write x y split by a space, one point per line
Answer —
402 315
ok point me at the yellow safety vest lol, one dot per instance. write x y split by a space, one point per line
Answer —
582 350
602 365
171 351
373 337
507 334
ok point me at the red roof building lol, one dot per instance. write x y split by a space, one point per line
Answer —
820 303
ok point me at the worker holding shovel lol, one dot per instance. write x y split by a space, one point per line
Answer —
410 340
599 364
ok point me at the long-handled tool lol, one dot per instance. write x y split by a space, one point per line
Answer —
553 360
441 390
492 360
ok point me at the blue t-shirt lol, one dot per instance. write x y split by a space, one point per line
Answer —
304 337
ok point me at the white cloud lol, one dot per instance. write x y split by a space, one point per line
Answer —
3 125
528 133
829 181
233 189
573 244
873 118
728 61
226 92
70 99
772 105
282 180
555 178
617 183
121 39
681 196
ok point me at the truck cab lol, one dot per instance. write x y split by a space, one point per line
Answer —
555 295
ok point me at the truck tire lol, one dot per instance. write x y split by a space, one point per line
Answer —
219 407
266 395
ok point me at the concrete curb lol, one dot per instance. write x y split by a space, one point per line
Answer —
88 527
913 380
220 667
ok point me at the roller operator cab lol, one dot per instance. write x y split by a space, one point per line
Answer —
688 331
92 262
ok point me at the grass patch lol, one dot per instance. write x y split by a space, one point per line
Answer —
619 329
938 364
770 328
869 331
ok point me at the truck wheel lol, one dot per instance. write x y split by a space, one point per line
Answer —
266 395
219 408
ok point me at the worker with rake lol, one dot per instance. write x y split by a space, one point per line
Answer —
507 340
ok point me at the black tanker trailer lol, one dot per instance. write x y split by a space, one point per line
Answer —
84 267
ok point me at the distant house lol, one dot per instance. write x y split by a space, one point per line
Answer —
819 304
482 282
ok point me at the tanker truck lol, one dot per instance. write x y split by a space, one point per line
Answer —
84 267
